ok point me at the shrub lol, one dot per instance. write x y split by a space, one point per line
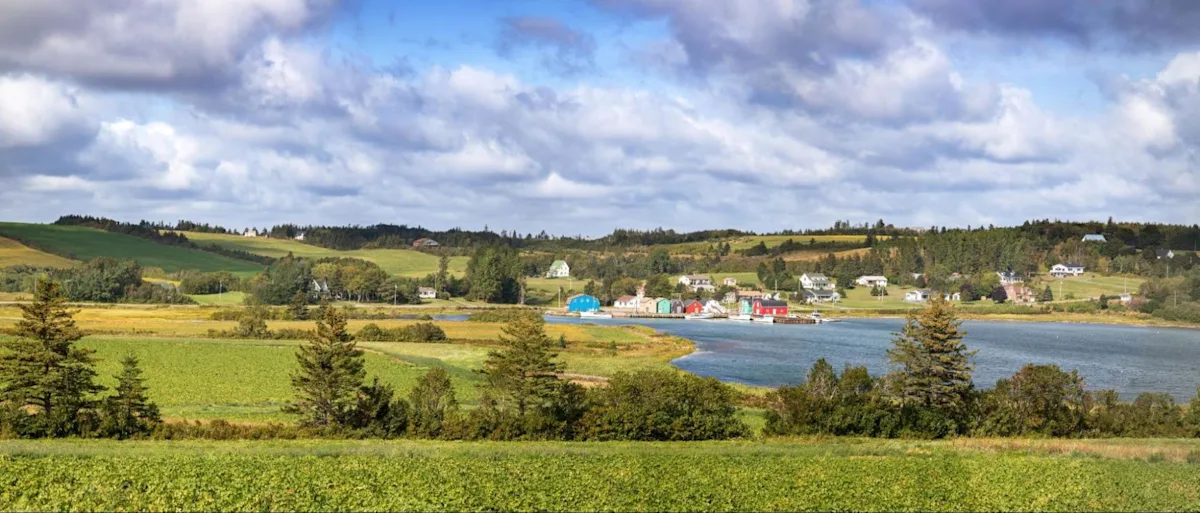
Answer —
661 405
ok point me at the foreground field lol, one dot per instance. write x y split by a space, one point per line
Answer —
527 476
87 243
400 262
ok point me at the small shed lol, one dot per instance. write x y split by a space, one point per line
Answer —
663 306
692 306
583 303
676 306
746 306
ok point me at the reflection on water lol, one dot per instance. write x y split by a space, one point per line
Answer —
1127 359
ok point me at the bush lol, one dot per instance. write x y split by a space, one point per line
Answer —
661 405
419 332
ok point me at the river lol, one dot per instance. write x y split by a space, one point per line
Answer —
1128 359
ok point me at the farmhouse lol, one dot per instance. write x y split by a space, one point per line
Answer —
952 296
426 293
425 243
872 281
815 281
1064 270
820 296
1008 277
1163 253
250 232
729 281
626 301
917 296
583 303
319 288
299 236
692 306
1094 237
559 269
770 307
697 282
1018 293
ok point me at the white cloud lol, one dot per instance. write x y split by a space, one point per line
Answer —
34 111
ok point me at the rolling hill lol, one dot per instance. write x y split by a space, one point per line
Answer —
14 253
399 262
87 243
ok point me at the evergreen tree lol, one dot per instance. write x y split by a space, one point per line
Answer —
1047 295
330 376
298 308
129 412
523 375
934 364
443 272
433 403
41 369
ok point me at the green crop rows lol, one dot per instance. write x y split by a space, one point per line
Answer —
576 477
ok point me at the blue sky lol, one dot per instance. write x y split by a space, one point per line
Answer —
580 116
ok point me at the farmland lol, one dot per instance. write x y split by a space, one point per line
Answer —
14 253
776 475
741 243
399 262
87 243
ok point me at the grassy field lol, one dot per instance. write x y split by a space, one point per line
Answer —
740 243
400 262
1090 285
87 243
225 299
777 475
14 253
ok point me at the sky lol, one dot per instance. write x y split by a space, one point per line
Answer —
581 116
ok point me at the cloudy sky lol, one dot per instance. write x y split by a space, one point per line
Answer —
581 116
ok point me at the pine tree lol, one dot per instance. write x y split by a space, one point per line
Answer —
1047 295
330 376
523 375
934 364
129 412
42 370
298 307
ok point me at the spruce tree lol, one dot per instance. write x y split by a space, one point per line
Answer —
432 403
129 412
42 370
1047 295
298 307
934 364
330 375
523 375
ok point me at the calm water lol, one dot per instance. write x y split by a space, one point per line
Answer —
1127 359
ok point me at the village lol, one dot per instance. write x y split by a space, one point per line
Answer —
749 304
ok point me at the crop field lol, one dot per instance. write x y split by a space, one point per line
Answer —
399 262
223 299
864 475
14 253
87 243
1090 285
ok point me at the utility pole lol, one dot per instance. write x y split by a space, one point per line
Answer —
395 293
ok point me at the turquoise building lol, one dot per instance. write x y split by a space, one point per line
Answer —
583 303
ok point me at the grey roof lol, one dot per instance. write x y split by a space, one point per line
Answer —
1095 236
1162 252
773 302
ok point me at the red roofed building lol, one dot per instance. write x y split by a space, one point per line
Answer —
770 307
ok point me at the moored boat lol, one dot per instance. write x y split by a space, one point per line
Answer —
698 316
595 315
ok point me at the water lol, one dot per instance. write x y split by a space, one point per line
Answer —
1128 359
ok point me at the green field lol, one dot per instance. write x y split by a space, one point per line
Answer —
225 299
88 243
14 253
740 243
1090 285
399 262
777 475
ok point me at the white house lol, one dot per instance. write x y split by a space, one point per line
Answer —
426 293
559 269
1064 270
871 281
697 282
1094 237
917 296
299 236
815 281
953 296
820 296
626 301
1008 278
250 232
1126 297
729 281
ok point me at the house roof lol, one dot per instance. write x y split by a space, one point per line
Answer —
818 293
1094 236
773 303
690 302
1163 252
625 299
815 276
425 289
871 277
749 293
558 263
698 277
572 298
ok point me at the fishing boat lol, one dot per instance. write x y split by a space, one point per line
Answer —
698 316
816 316
741 318
595 315
770 319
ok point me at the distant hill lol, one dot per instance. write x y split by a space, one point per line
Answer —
87 243
14 253
399 262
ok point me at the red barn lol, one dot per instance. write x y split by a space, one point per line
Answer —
693 307
770 307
